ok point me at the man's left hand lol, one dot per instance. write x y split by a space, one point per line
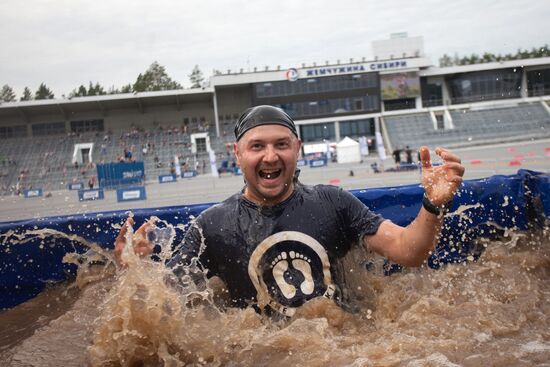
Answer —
441 182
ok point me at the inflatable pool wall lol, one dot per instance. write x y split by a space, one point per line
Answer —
31 251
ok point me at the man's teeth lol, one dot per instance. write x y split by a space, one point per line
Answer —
269 175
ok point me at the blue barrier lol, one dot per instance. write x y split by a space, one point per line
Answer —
91 194
168 178
33 193
318 162
189 174
509 202
75 186
301 163
114 175
131 194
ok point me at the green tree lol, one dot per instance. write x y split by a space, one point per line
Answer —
7 94
126 88
445 60
27 95
196 77
79 92
96 90
155 78
93 90
43 92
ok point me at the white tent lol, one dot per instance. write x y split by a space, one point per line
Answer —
348 151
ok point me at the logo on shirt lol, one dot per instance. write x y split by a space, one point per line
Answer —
288 269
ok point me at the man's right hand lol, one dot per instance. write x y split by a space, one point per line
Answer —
142 246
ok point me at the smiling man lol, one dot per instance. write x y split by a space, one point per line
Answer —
276 244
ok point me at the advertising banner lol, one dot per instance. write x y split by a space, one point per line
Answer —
91 194
131 194
32 193
318 163
400 85
168 178
188 174
115 175
75 186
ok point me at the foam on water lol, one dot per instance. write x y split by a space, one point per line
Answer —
493 311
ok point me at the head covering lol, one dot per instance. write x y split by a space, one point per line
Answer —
263 115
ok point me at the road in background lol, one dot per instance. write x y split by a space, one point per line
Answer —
482 161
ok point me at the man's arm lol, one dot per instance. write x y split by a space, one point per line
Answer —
410 246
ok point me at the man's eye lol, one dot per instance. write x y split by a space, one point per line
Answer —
282 145
256 146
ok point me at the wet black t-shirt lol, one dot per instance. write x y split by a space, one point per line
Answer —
283 253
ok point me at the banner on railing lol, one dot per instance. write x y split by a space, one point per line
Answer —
91 194
168 178
131 194
189 174
33 193
115 175
318 162
75 186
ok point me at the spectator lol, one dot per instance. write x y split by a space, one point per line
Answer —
409 152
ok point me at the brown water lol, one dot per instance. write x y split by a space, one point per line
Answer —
491 312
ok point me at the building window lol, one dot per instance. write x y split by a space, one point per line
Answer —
432 92
317 132
485 85
538 82
357 128
13 131
48 128
83 126
399 104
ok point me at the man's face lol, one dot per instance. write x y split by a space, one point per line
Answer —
267 155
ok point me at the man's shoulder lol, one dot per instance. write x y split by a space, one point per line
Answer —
222 208
322 190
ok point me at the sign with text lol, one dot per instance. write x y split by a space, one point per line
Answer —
115 175
168 178
76 186
188 174
91 194
33 193
318 162
301 163
131 194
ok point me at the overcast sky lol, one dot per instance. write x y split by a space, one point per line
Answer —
65 43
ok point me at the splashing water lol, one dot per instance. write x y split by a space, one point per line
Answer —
493 311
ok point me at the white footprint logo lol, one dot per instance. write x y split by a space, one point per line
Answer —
300 262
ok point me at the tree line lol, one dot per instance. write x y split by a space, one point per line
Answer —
155 78
447 60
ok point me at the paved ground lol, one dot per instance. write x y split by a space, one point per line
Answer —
479 162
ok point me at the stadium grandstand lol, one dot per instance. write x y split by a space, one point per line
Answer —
400 94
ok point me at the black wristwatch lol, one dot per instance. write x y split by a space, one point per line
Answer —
439 210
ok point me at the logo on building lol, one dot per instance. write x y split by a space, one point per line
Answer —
292 74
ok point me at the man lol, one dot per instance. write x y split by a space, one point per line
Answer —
408 153
276 244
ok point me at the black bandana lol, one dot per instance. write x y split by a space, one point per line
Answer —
263 115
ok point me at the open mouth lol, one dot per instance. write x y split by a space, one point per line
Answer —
269 174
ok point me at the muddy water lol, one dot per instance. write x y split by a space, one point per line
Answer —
491 312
